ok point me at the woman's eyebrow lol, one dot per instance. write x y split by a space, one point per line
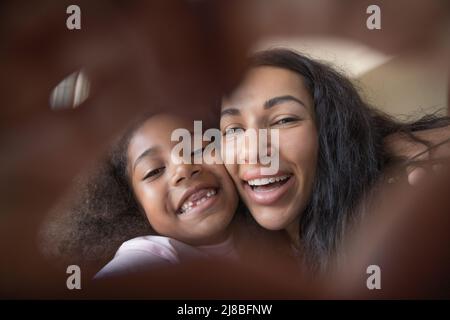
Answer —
272 102
277 100
148 152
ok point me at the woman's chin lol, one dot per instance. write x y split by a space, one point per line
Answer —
272 224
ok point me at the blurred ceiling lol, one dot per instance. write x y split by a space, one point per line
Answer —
351 57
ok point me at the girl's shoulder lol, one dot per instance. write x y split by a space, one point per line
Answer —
147 244
144 252
164 247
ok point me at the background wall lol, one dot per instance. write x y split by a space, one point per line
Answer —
405 86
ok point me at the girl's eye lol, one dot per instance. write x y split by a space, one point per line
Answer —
285 121
232 131
153 173
197 152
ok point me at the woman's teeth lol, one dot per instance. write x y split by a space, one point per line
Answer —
266 181
188 205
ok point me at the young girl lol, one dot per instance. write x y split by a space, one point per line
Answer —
190 206
171 212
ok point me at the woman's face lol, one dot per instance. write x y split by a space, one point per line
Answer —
273 98
193 203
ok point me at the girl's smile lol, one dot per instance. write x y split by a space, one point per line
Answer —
193 203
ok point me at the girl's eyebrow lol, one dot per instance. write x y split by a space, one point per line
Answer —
148 152
230 112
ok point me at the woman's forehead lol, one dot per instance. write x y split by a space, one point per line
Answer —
265 82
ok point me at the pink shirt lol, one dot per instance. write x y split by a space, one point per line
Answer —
142 253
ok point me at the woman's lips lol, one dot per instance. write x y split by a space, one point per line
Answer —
269 194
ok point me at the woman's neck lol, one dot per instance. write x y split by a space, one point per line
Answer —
293 232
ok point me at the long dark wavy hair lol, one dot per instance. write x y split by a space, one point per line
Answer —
351 155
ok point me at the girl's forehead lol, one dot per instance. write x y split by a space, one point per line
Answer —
156 132
166 122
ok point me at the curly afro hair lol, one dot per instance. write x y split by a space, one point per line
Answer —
98 214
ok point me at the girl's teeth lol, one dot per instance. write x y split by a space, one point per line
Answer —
210 193
265 181
187 206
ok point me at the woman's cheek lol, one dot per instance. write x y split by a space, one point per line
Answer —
233 171
299 145
227 153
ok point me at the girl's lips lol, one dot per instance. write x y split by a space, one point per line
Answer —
201 207
269 196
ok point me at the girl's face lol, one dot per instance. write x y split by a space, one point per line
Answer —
189 202
273 98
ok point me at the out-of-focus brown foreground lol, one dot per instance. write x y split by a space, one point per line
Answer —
179 56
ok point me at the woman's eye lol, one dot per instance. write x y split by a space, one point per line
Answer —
153 173
285 120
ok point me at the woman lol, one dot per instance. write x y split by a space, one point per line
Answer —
331 151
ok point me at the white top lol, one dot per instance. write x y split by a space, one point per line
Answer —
142 253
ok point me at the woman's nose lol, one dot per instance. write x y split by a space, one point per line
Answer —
248 147
254 144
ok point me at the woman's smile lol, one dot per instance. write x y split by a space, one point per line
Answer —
274 99
268 190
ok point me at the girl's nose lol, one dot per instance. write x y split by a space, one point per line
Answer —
185 171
